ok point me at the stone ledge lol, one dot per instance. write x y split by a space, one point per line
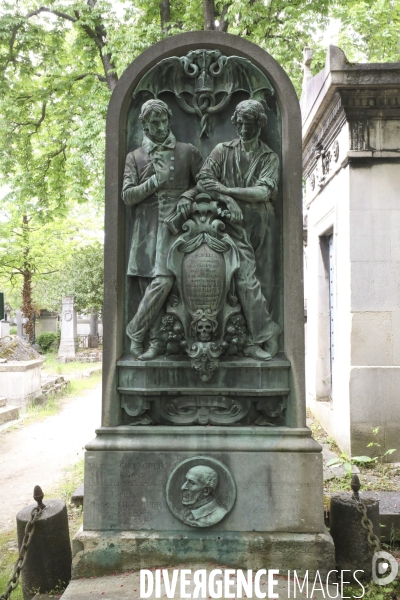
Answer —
97 553
21 365
204 439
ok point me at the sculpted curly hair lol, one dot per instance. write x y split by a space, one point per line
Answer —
250 109
153 106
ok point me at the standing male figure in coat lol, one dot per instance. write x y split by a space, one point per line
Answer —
157 181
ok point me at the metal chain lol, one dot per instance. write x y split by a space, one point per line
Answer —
29 529
373 539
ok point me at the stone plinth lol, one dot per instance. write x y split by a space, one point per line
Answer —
109 552
20 381
69 336
351 142
277 512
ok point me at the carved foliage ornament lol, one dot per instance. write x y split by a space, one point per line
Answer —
204 410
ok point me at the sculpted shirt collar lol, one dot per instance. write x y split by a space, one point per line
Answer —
262 148
149 146
205 510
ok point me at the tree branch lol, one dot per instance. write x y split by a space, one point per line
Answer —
36 124
99 77
58 13
98 35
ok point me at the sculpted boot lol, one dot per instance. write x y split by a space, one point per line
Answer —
151 353
136 349
256 352
271 345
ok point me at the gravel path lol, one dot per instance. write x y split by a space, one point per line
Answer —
37 454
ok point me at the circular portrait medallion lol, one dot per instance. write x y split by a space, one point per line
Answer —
201 491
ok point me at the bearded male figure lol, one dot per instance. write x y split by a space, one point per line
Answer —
243 174
157 181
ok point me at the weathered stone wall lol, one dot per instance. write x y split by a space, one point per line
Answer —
351 160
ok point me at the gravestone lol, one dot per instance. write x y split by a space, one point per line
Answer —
93 341
19 322
69 336
203 453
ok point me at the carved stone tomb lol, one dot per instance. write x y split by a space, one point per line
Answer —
203 453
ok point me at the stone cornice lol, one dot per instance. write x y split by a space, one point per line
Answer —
345 93
325 134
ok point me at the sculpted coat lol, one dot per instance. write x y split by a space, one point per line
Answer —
151 238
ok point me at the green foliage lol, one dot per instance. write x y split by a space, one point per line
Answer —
347 461
39 246
46 339
380 458
81 276
86 277
370 29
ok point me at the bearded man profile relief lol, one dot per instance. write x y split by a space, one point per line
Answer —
202 508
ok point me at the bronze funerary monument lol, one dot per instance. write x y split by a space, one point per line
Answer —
203 453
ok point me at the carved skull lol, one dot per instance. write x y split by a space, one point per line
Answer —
204 330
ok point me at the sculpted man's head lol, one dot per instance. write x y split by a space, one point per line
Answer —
249 118
199 486
155 116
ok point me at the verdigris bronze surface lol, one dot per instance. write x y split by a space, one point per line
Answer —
204 81
201 491
203 252
156 177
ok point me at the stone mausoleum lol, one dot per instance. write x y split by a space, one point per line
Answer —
203 453
351 164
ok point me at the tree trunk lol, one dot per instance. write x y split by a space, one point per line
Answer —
165 14
209 15
27 306
223 22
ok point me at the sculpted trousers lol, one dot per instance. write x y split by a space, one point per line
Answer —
150 311
259 323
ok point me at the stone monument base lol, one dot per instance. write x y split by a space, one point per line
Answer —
133 499
97 553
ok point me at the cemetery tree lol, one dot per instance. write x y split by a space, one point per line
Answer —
81 276
59 62
33 250
85 277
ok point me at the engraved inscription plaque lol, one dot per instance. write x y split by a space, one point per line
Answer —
204 279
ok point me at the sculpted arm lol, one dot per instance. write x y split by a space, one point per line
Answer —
266 185
187 197
133 192
210 173
208 181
